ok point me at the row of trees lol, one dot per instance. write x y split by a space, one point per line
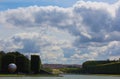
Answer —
96 67
24 64
102 67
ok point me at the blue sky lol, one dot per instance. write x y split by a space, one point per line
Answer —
11 4
61 31
5 4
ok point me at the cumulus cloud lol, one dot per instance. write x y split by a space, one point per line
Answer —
48 46
94 27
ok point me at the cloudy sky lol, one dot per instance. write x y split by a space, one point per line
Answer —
61 31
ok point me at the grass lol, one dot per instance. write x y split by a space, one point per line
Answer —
27 75
56 71
115 75
11 75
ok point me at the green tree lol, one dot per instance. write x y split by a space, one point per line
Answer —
16 53
101 67
23 64
6 60
35 63
2 53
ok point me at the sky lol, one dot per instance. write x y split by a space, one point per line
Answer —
61 31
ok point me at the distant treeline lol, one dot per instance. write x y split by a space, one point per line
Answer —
101 67
24 64
95 67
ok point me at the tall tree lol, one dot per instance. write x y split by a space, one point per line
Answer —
35 63
6 60
23 64
2 53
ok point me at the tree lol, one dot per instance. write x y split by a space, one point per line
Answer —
35 63
2 53
6 60
23 64
15 53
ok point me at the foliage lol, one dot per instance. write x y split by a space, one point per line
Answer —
2 53
23 64
106 68
35 63
94 63
6 60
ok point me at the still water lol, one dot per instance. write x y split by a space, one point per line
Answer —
67 77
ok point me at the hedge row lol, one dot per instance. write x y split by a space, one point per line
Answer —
108 68
24 65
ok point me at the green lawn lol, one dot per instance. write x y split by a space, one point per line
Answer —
27 75
11 75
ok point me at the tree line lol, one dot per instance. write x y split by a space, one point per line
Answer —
101 67
23 63
95 67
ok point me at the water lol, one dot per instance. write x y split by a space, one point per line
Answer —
67 77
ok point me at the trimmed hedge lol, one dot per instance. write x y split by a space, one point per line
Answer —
0 63
23 64
2 53
108 68
35 63
6 60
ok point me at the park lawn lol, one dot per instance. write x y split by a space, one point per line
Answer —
11 75
28 75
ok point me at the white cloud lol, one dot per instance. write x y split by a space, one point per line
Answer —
48 45
90 28
114 57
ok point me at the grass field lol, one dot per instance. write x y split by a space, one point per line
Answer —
27 75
